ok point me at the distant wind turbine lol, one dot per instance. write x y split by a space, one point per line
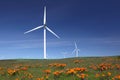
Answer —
45 28
76 50
64 54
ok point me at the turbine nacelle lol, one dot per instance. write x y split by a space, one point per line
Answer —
44 25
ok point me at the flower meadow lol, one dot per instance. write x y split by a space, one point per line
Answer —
97 68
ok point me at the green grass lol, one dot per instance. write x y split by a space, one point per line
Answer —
36 67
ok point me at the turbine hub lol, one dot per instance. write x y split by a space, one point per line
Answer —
45 25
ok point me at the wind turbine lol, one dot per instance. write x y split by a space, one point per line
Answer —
76 50
45 27
64 54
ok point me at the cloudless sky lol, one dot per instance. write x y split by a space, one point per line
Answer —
93 24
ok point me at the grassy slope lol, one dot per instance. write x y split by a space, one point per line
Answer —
38 70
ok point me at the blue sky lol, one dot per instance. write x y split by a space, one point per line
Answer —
93 24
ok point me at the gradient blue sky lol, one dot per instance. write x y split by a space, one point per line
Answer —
93 24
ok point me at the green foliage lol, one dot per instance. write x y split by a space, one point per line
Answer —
31 69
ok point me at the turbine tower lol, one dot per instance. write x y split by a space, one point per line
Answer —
45 28
76 50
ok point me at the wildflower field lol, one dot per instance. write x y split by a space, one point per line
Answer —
96 68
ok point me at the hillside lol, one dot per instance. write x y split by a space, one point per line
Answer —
88 68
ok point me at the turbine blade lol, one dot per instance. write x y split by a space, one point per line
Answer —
75 45
73 51
52 32
33 29
45 15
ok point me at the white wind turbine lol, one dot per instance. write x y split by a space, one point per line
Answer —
64 54
76 50
45 28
